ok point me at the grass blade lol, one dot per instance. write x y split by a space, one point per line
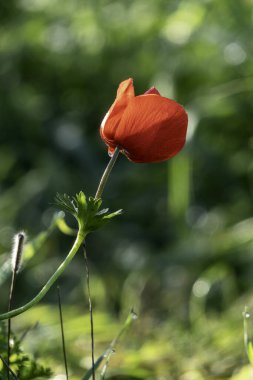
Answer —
111 349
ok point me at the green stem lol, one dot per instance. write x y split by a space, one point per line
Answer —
79 240
106 174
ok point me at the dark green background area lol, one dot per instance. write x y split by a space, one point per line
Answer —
181 253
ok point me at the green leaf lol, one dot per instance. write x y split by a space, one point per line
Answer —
66 203
86 211
88 374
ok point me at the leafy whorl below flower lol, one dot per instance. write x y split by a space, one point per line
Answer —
146 128
86 211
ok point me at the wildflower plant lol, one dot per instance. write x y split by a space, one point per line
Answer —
146 128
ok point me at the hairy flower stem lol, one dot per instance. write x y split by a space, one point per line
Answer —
78 242
90 310
106 174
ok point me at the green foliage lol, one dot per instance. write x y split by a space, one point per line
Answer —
23 365
86 211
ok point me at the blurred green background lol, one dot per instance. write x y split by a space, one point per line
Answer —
181 254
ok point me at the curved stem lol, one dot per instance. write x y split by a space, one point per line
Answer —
79 240
106 174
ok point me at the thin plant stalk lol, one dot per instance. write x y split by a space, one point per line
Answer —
90 311
26 332
106 173
13 279
62 333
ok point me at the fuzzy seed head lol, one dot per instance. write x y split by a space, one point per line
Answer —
17 251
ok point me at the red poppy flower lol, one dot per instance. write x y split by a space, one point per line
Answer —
146 128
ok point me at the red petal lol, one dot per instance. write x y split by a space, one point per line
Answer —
112 118
126 88
152 129
153 91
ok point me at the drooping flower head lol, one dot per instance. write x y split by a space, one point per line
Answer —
146 128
